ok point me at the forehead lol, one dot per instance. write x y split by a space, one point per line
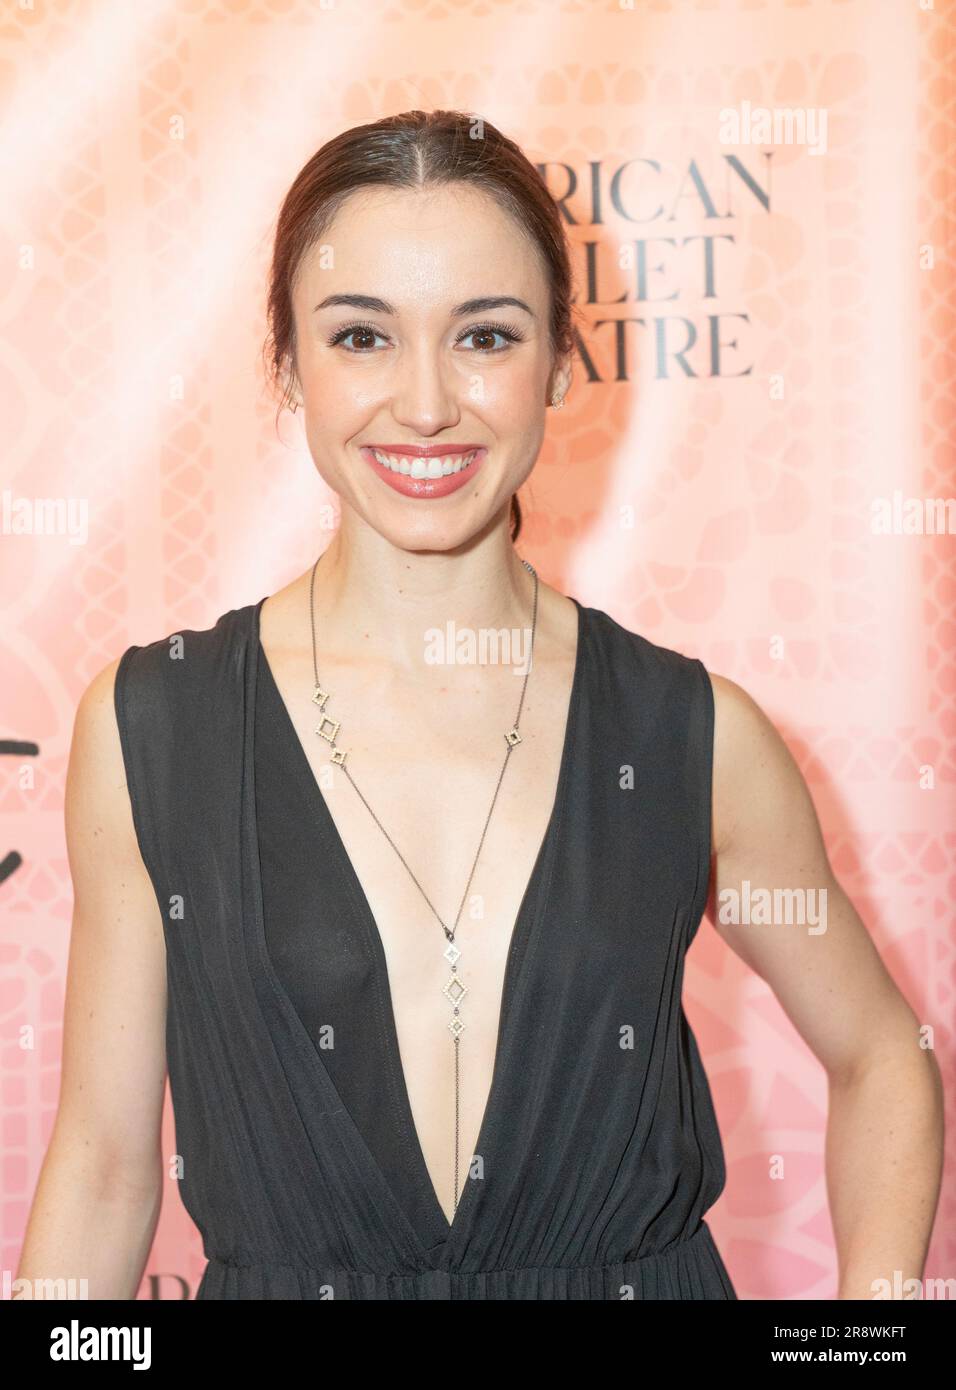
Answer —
423 247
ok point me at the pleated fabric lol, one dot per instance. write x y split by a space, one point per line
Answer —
600 1146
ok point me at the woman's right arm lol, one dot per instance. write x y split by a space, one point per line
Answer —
99 1193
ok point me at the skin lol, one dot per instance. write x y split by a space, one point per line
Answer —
395 566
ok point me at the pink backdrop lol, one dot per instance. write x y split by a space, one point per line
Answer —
726 512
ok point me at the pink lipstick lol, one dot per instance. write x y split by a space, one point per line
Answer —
425 471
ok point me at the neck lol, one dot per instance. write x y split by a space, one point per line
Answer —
370 593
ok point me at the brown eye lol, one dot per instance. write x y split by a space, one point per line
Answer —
485 335
366 336
367 332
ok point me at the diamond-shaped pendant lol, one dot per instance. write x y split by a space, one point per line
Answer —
451 953
328 728
456 1027
455 990
512 738
320 697
339 756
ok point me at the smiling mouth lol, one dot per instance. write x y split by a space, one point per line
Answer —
426 473
414 466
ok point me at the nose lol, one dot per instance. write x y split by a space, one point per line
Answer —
424 397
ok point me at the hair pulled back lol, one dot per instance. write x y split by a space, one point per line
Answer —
417 149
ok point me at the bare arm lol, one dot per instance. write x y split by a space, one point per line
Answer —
884 1146
100 1188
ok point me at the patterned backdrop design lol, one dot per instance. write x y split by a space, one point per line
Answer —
717 499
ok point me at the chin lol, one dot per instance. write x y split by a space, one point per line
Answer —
431 539
431 533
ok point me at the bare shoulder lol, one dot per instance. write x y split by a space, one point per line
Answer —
755 774
736 712
95 730
97 807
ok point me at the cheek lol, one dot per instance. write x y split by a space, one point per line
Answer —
514 395
327 435
335 397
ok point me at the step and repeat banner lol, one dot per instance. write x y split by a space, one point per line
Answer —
755 464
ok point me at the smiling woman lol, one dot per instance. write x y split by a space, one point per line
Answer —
422 349
346 1058
454 194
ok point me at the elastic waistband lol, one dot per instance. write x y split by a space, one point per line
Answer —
690 1269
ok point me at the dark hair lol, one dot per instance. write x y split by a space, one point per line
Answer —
417 149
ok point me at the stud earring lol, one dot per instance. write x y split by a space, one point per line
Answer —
557 402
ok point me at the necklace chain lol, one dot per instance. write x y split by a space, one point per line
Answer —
328 729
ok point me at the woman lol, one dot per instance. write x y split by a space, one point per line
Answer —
423 923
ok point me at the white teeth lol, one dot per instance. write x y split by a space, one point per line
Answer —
424 468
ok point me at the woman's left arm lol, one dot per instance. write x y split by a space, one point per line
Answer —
884 1144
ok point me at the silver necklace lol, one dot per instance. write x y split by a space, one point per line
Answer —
328 729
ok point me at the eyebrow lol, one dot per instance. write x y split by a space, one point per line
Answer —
373 305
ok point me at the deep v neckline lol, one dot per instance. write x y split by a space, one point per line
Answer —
522 935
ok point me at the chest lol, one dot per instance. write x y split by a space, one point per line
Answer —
446 804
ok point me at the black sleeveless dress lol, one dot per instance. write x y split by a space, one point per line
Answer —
303 1171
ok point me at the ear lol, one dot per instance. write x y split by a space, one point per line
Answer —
290 387
560 380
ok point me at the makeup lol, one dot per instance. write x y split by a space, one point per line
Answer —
429 472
